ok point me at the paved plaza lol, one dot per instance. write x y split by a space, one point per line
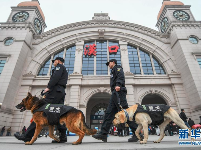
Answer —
114 142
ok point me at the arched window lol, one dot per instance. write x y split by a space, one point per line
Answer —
134 60
101 58
88 62
67 54
70 59
96 65
158 67
142 62
116 55
44 70
146 63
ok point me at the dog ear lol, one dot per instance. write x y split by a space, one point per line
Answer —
29 94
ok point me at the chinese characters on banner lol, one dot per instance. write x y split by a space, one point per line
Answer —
91 49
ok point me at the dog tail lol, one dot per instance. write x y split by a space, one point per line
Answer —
86 129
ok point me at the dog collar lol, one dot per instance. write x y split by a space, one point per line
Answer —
126 113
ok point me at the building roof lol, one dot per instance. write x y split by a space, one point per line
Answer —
168 3
32 3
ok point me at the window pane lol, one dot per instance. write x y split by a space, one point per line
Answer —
70 59
2 64
101 58
199 61
158 67
146 63
133 60
44 70
88 61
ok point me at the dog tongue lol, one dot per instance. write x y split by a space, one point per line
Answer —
21 109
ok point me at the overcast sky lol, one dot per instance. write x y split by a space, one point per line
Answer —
61 12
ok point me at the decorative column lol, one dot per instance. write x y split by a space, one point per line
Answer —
76 77
124 56
74 95
128 75
78 57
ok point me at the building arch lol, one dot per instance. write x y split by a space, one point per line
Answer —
87 95
42 49
157 92
98 101
68 54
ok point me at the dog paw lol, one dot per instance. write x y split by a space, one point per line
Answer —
143 142
28 143
57 139
76 143
156 141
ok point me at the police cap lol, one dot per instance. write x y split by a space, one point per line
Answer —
58 58
111 60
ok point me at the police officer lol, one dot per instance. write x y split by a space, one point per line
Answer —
55 94
117 84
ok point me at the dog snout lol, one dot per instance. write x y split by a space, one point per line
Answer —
19 106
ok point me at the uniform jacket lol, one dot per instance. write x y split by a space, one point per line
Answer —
59 77
155 111
117 77
53 112
57 85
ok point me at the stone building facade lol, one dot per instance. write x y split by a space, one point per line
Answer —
162 67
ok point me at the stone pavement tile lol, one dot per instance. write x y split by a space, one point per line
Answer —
89 143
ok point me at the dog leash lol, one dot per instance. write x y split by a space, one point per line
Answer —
118 101
126 113
42 95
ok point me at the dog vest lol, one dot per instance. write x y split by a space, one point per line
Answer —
155 111
53 112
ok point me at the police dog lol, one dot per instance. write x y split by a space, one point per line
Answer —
74 120
143 119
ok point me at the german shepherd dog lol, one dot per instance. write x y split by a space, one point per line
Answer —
74 120
143 119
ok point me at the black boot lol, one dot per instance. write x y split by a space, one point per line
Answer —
62 137
133 138
100 136
22 137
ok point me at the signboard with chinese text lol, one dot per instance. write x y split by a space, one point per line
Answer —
113 49
90 50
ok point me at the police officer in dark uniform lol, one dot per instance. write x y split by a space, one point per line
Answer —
118 89
55 94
